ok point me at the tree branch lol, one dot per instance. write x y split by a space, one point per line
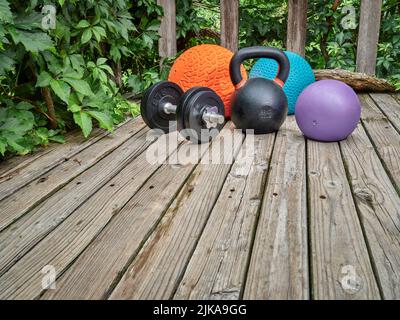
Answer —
358 81
50 106
117 73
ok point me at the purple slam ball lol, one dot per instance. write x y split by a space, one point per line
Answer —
328 110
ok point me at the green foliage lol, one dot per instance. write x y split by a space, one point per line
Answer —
331 32
100 49
262 23
79 62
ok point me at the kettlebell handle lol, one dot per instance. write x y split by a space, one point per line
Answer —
259 52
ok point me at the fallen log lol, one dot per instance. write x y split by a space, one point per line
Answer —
358 81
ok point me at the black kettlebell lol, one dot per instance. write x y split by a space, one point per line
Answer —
258 103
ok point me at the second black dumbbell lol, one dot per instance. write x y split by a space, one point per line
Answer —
199 112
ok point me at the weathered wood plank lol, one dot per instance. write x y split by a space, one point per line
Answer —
21 236
389 106
98 268
379 208
279 261
230 24
13 163
297 26
16 178
383 135
21 201
167 31
157 269
368 36
61 247
218 266
338 247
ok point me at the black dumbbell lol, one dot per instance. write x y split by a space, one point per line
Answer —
197 110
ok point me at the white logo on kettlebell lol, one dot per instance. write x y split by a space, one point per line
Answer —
266 113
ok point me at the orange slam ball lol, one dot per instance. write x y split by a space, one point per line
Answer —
206 65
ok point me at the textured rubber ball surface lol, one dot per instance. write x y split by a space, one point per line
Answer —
206 65
300 76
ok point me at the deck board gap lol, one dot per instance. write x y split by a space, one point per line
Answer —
385 167
309 237
109 222
257 220
145 238
179 280
364 233
8 206
396 122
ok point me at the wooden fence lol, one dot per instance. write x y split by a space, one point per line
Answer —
368 34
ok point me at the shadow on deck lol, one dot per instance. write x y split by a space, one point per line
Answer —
289 219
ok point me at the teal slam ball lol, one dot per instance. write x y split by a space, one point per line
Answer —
301 76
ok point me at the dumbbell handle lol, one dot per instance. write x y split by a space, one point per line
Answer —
213 117
170 108
208 117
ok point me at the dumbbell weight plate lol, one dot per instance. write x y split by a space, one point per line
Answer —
151 106
183 101
190 109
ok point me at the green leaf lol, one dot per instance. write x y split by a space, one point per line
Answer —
80 86
148 41
91 65
24 106
43 134
68 72
107 68
83 24
5 12
28 21
104 120
135 84
74 99
3 145
74 108
115 53
43 79
15 141
100 74
77 61
32 41
6 63
101 61
83 120
99 33
61 89
61 2
86 36
154 25
18 121
96 35
58 138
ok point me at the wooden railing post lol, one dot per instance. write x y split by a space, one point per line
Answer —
230 24
297 26
368 36
167 31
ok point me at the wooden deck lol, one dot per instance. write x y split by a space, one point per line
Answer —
292 219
